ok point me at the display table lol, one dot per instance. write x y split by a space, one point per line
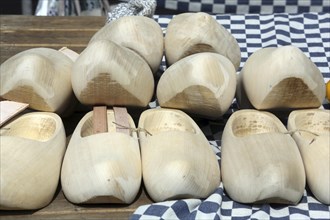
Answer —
310 32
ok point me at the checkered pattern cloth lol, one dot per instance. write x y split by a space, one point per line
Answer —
311 33
246 6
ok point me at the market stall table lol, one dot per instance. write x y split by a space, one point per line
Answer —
310 32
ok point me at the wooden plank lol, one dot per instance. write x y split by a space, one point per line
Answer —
44 37
60 208
10 50
19 22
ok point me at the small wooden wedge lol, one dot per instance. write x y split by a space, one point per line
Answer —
177 160
311 131
108 74
40 77
190 33
260 161
102 167
202 84
32 149
282 78
141 34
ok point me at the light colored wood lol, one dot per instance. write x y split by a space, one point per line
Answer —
103 167
108 74
40 77
202 84
190 33
121 118
260 161
311 131
141 34
177 160
282 78
32 149
69 53
100 124
9 109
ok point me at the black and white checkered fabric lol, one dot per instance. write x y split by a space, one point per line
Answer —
246 6
311 33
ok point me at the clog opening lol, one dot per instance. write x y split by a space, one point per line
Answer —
162 121
87 128
315 122
249 124
37 127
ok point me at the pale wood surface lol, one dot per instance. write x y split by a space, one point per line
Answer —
19 33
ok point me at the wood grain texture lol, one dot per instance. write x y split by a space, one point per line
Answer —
175 142
311 131
32 149
260 161
282 78
42 28
19 33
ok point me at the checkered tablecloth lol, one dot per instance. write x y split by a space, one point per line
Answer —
311 33
245 6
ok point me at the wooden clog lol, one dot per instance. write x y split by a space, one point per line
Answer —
190 33
141 34
260 161
108 74
311 131
203 84
177 160
40 77
102 167
282 78
32 149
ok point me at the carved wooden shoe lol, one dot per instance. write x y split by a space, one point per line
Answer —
282 78
260 161
140 34
202 84
190 33
311 131
32 149
108 74
40 77
177 160
102 167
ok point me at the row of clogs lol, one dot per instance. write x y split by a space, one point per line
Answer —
176 160
260 161
201 79
114 70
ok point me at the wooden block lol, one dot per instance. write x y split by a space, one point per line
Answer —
122 124
100 124
8 109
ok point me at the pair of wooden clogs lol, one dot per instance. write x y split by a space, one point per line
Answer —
203 58
261 162
175 162
116 69
33 144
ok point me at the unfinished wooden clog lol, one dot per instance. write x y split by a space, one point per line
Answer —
282 78
40 77
102 167
203 84
260 162
32 149
177 160
141 34
190 33
108 74
311 131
